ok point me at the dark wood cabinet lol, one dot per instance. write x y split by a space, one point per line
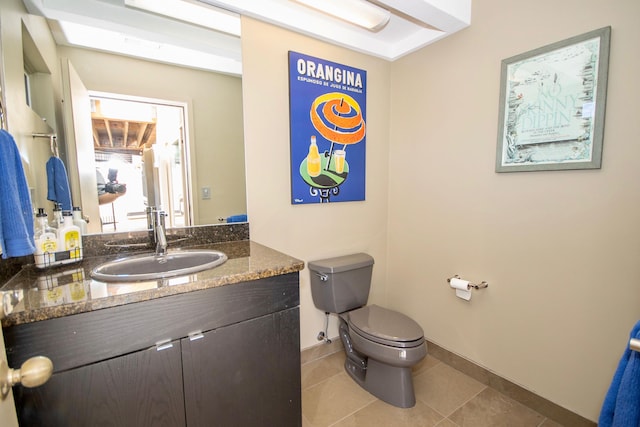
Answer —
233 359
250 364
139 389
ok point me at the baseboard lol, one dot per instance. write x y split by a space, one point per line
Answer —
539 404
520 394
320 350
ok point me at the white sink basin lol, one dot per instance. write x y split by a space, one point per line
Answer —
152 266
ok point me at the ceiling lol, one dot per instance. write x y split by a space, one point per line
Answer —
122 135
119 27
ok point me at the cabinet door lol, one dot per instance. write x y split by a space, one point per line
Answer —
139 389
246 374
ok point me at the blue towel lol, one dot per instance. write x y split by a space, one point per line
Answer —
58 184
16 214
621 407
237 218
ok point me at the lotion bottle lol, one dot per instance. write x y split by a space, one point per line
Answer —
56 221
46 240
79 221
69 237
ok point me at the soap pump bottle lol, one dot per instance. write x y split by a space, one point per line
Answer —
78 220
46 240
313 159
69 237
56 221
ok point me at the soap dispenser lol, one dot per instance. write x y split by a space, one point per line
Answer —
56 221
46 240
69 237
78 220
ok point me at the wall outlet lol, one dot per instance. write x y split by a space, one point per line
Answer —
206 193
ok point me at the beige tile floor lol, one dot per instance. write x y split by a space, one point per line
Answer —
445 398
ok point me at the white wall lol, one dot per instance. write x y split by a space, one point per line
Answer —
312 231
561 250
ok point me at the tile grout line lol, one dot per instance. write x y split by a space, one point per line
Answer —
321 382
427 370
325 379
444 416
545 419
354 412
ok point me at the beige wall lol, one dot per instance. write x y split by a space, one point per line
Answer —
312 231
560 250
215 108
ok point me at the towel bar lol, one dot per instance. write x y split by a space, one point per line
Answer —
53 141
634 344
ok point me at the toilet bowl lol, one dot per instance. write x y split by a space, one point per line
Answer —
381 345
392 344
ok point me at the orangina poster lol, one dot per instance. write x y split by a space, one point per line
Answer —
327 108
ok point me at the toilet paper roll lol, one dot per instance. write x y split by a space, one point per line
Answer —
462 288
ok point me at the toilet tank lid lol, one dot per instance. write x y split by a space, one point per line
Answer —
341 263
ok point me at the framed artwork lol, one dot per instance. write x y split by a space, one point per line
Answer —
552 105
327 116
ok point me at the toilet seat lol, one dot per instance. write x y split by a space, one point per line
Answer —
386 327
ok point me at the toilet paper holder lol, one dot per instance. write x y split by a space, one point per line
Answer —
482 285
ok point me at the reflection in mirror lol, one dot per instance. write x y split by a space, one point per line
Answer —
141 161
211 181
3 117
3 114
213 152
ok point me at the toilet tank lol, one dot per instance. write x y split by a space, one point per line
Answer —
342 283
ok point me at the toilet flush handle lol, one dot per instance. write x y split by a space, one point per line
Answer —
323 277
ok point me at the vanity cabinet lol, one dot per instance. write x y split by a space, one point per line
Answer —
139 389
254 369
223 356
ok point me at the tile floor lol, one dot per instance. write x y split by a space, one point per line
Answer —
445 398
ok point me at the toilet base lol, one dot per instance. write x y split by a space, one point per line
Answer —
390 384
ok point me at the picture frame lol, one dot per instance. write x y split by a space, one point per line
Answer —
552 105
327 130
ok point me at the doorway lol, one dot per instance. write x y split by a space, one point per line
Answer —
140 147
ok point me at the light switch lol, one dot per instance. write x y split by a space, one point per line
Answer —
206 193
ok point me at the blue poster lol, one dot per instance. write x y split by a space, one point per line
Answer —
327 103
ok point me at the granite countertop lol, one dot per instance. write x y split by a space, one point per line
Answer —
33 295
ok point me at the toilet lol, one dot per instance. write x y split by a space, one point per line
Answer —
381 345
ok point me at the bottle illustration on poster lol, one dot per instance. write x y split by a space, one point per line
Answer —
328 130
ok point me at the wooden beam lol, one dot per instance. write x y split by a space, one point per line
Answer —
140 136
108 126
96 137
125 134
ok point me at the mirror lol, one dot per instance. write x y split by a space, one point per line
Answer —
213 125
3 115
213 133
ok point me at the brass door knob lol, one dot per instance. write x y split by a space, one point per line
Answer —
33 373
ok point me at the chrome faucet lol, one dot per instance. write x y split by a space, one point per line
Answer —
156 228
